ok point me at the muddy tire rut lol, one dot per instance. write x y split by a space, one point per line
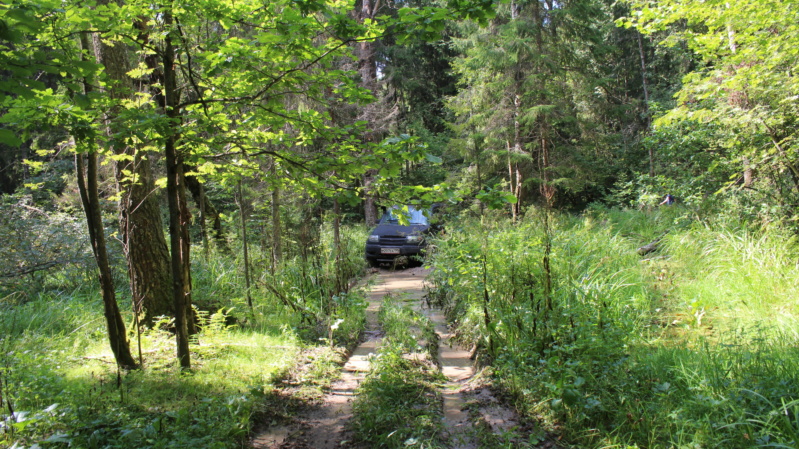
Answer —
471 412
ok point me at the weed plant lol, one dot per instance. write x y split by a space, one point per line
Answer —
312 292
691 346
398 404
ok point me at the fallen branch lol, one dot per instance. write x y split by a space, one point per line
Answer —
653 246
25 270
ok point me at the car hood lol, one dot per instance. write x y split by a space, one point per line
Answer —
394 229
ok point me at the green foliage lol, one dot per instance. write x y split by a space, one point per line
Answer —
62 391
309 291
54 351
537 101
740 94
262 84
495 198
41 250
694 346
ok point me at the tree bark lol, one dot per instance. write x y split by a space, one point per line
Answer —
139 211
178 212
337 246
646 101
87 186
367 69
369 205
245 244
277 248
90 199
518 145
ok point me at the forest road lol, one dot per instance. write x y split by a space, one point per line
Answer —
472 415
325 426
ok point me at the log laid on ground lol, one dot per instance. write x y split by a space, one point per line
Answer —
651 247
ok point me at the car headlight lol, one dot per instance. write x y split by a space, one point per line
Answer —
414 238
373 239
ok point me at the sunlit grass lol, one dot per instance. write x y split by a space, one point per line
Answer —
211 405
229 362
398 404
739 279
58 372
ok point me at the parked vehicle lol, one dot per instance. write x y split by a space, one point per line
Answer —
398 237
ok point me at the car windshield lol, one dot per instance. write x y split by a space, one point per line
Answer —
415 216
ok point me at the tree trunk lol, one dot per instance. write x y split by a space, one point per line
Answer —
203 203
245 245
518 145
547 189
367 69
277 248
748 172
340 282
145 245
369 206
139 212
477 150
90 199
514 181
87 186
646 102
178 213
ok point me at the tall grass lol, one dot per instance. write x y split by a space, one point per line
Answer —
694 345
748 279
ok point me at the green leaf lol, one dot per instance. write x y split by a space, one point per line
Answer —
7 137
59 438
83 101
433 159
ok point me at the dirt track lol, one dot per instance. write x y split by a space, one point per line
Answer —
467 406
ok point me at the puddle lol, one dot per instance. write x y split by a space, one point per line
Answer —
458 369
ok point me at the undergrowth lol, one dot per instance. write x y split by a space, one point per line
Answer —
59 386
78 399
693 345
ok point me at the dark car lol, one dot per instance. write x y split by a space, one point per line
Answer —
395 238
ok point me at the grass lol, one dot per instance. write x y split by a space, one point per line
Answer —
398 404
746 281
69 387
60 387
691 346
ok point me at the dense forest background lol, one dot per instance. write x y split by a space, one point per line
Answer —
220 162
559 103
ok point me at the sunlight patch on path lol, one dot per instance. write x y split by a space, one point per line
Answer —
458 368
